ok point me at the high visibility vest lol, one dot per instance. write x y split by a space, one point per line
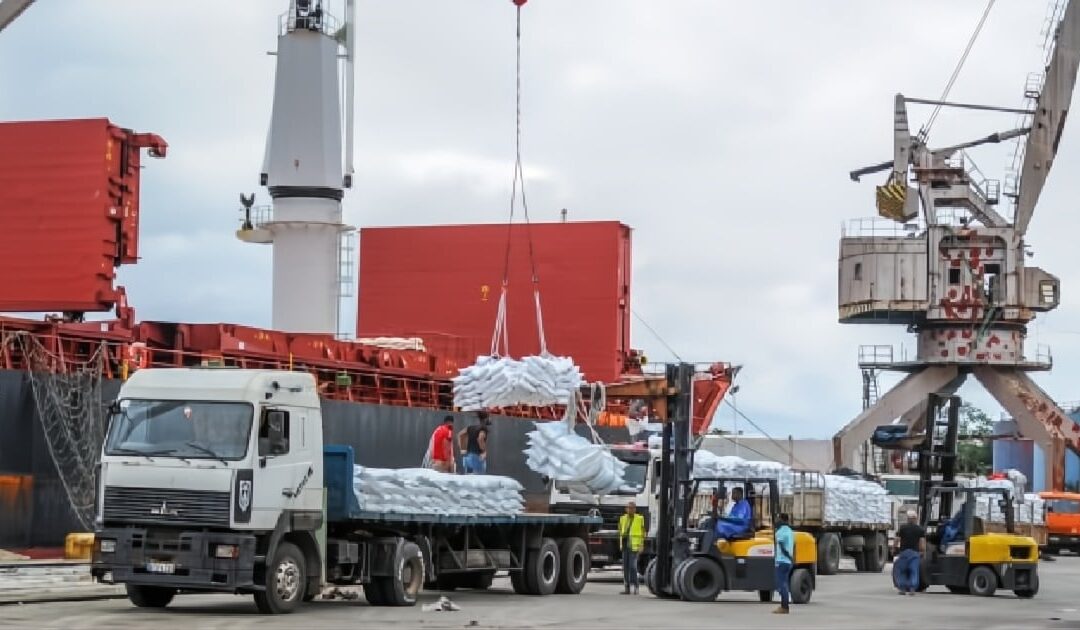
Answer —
636 529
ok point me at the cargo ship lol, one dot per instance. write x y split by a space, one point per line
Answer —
428 297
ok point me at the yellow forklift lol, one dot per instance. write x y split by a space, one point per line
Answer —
961 553
690 562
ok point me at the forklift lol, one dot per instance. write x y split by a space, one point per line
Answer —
690 562
961 554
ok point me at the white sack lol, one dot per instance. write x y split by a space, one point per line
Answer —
560 454
504 382
423 491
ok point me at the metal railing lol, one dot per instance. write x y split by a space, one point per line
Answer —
879 226
324 23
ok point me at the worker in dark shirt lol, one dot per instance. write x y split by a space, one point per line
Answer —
912 546
473 443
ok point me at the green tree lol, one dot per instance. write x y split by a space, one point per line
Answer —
974 453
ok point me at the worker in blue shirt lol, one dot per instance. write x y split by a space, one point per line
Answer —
784 555
738 520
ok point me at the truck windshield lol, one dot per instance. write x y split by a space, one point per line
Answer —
902 487
175 428
1064 506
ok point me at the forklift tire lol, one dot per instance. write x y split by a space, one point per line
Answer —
650 578
149 596
542 568
875 553
982 581
829 554
765 596
676 580
802 586
700 579
1031 591
402 588
285 581
574 566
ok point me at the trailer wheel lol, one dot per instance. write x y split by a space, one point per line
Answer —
517 579
402 588
982 581
699 579
574 565
285 582
542 568
875 553
802 586
149 596
829 554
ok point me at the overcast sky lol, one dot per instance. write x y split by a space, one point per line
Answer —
721 131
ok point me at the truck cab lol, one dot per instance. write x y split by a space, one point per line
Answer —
1062 521
205 473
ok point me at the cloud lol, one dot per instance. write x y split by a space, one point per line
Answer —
721 132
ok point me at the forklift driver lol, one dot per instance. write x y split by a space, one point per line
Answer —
737 522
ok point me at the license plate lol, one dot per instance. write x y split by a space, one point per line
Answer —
160 567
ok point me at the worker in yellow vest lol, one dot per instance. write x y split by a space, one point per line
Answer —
631 540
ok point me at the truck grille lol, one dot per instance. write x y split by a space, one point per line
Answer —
166 505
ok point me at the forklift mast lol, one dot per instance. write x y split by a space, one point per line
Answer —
940 455
676 467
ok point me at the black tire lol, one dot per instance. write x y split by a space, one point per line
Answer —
875 554
150 596
285 581
650 577
517 579
676 580
982 581
829 554
574 566
700 580
802 586
542 568
765 596
1030 591
896 576
402 588
373 592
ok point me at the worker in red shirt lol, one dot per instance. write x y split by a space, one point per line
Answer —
442 447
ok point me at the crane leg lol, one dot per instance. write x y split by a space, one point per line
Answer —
899 401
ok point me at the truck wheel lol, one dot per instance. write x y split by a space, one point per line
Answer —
829 554
402 588
149 596
574 566
542 568
373 592
982 581
700 580
802 586
285 580
1031 591
875 554
517 579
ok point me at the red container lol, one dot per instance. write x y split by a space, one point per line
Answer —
442 283
69 207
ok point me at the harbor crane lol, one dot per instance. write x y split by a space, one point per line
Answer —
958 277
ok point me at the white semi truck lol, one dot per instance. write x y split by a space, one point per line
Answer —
217 480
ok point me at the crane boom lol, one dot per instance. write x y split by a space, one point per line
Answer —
1050 113
12 9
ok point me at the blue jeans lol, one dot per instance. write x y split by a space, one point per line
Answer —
783 583
908 563
474 464
629 569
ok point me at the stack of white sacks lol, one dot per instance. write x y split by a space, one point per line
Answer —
423 491
1027 507
846 499
505 382
557 452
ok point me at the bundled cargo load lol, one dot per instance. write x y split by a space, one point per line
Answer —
555 451
1027 508
423 491
851 500
504 382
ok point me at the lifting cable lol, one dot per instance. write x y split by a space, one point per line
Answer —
925 131
500 340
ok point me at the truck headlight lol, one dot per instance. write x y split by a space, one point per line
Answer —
107 545
226 551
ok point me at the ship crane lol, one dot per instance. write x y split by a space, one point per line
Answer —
307 167
958 279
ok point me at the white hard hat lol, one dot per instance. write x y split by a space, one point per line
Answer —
912 514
